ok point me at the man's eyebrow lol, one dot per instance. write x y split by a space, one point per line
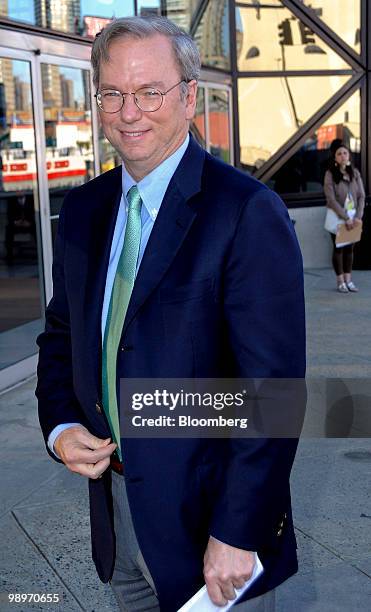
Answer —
108 86
156 84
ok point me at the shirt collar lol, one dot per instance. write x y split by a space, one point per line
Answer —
153 186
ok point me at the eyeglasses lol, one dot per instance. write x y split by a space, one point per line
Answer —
147 99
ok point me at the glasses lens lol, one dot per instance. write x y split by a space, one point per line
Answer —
109 100
148 99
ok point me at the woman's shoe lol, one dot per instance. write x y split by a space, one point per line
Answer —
352 287
342 288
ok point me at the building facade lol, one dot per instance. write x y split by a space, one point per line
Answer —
280 80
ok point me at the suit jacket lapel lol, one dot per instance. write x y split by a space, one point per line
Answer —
175 217
173 222
103 221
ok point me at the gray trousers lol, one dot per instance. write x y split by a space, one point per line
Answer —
131 582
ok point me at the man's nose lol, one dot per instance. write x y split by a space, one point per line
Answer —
130 111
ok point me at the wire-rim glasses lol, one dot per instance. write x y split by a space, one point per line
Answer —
147 99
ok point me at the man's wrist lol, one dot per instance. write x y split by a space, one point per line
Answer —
55 433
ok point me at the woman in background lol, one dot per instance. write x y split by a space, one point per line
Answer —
345 194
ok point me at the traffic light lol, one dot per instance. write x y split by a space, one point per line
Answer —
284 33
307 35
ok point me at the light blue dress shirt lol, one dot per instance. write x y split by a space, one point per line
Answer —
152 189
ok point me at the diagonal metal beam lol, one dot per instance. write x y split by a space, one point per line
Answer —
197 16
328 35
297 140
292 73
234 73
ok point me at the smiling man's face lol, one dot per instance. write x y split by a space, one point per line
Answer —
145 139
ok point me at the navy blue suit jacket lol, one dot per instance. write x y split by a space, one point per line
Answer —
219 293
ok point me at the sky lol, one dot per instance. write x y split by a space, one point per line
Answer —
107 8
24 9
120 8
22 70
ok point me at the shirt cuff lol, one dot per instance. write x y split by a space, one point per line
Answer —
55 433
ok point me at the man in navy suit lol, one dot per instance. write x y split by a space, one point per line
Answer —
218 293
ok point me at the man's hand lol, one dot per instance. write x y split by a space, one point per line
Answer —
226 568
349 224
82 452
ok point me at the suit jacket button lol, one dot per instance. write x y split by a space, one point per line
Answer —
279 532
98 407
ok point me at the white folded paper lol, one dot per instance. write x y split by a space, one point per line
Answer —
201 602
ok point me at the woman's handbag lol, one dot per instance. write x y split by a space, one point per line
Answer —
332 221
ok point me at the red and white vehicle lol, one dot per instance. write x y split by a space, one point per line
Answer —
67 164
20 174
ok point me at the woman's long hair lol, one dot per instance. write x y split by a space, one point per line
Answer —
334 167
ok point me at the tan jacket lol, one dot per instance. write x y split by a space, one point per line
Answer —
337 193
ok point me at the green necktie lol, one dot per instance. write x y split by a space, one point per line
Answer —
121 292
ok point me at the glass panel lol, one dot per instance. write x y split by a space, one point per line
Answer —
198 124
68 133
19 10
344 18
109 158
219 123
212 35
271 109
149 7
180 12
78 16
305 170
270 37
20 251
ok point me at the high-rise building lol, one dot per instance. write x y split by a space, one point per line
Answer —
86 88
210 35
4 8
68 98
180 12
63 15
22 95
51 83
7 79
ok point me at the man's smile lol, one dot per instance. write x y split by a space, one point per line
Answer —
137 133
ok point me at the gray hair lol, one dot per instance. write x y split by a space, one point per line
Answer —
185 50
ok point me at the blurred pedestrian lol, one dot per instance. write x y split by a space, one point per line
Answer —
345 195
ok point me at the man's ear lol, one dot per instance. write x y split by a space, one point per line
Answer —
191 99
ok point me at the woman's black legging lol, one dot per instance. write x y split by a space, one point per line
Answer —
342 258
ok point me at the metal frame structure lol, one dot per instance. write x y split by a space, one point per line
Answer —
359 72
37 50
207 85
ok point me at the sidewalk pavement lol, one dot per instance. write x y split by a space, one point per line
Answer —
44 525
